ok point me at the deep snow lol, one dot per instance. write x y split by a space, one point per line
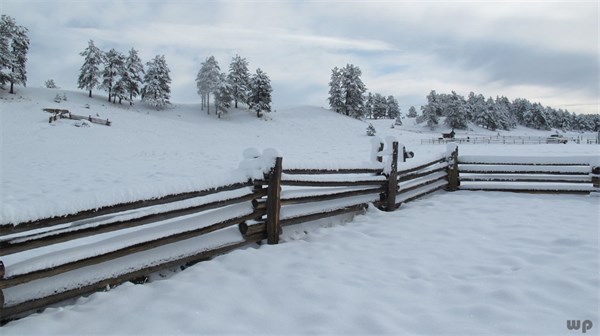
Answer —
452 263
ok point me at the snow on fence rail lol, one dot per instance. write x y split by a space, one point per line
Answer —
50 260
568 174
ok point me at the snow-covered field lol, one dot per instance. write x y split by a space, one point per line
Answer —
466 263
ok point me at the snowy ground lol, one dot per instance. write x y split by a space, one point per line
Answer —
453 263
449 264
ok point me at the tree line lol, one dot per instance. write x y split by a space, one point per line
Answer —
125 78
14 45
501 113
347 96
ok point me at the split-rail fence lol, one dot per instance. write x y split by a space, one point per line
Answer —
50 260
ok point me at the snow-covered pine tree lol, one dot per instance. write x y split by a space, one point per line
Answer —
336 100
430 110
488 118
412 112
207 80
89 77
519 108
353 90
475 106
14 45
238 79
114 62
456 113
536 117
223 96
392 107
157 91
379 106
259 98
371 130
507 120
131 78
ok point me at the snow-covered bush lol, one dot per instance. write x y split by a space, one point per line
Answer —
50 84
57 98
371 130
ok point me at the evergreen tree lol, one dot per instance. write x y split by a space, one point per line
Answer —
475 106
260 93
431 109
412 112
487 117
336 100
89 77
507 119
207 80
223 96
131 76
393 109
14 45
456 112
238 79
519 108
353 89
114 63
536 117
157 91
379 106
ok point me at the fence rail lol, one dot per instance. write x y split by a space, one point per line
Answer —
49 260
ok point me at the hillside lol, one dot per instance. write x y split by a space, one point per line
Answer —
52 169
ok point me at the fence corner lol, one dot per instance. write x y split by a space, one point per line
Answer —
453 173
274 203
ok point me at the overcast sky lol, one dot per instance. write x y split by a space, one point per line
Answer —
545 51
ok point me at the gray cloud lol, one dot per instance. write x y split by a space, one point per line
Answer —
542 51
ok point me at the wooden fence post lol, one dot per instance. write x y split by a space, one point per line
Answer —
453 174
392 187
596 178
274 203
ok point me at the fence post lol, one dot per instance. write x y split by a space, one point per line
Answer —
453 174
392 187
596 178
274 203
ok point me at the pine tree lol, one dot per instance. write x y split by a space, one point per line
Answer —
207 80
260 93
379 106
393 109
431 109
157 82
131 76
223 96
412 112
89 77
456 112
536 117
336 100
14 45
238 79
353 89
114 63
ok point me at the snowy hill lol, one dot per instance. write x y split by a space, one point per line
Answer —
447 264
52 169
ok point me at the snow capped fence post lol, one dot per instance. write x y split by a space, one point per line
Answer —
596 178
274 202
453 174
392 186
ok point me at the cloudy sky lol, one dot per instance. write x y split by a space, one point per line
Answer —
546 51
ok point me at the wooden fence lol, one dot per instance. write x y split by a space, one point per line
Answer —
507 140
50 260
529 174
65 114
